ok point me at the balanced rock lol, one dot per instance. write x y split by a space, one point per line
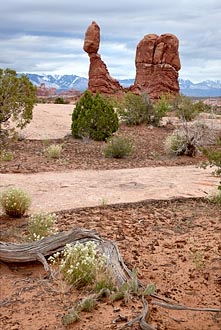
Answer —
92 39
99 77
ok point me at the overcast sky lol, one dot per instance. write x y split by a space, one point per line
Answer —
47 36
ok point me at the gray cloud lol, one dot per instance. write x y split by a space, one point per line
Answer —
47 36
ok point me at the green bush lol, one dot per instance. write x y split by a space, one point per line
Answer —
138 109
59 100
94 117
86 305
17 99
118 147
200 106
160 110
6 156
186 109
135 109
214 160
15 202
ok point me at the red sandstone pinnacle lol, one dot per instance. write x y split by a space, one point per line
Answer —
99 77
157 64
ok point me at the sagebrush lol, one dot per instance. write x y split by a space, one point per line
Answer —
53 151
118 147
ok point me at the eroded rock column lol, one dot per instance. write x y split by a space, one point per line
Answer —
157 65
99 77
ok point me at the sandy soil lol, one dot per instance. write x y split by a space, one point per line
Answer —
50 121
173 243
54 191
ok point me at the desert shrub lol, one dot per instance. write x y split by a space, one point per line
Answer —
129 288
94 117
41 225
6 156
186 140
176 144
59 100
17 99
86 305
135 109
200 106
70 317
186 109
15 202
118 147
189 138
214 160
216 197
81 264
53 151
160 109
105 284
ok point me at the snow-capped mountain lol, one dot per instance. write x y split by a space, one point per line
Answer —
61 82
205 88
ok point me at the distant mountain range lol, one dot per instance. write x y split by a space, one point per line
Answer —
61 82
207 88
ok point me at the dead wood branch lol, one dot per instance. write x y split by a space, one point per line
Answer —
186 308
39 250
27 252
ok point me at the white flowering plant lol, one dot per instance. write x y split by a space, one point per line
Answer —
15 202
81 263
41 225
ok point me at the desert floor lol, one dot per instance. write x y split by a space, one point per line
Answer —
150 202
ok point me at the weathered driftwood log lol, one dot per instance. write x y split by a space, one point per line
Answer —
27 252
38 250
